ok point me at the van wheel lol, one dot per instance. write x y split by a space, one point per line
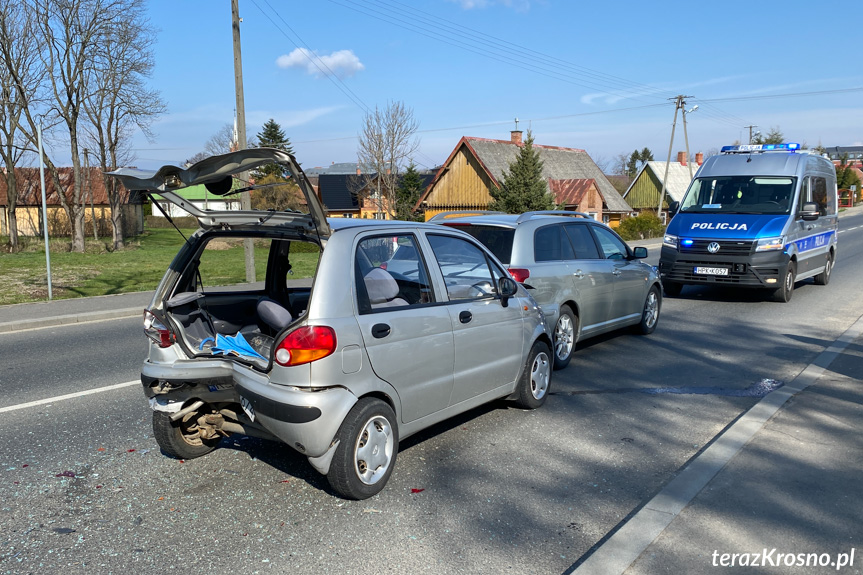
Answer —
565 333
181 439
650 314
823 278
783 294
367 449
535 379
672 289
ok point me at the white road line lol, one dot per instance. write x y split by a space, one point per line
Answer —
619 551
69 396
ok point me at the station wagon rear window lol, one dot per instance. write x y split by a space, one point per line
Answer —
495 238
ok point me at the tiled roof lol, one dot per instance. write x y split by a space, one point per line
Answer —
339 191
30 189
558 164
569 192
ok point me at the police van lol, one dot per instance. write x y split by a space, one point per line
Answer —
754 216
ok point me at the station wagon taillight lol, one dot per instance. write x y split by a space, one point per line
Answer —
157 331
306 344
519 274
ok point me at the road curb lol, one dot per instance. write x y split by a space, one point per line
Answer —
72 318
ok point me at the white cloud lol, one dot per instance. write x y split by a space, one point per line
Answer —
517 5
342 63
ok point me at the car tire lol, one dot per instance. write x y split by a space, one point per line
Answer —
535 379
181 439
650 313
784 293
565 334
366 453
823 278
671 289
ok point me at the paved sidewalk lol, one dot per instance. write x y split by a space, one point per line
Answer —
20 316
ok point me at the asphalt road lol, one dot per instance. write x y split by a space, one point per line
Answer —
502 490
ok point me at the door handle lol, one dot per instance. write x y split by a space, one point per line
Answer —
380 330
579 274
616 272
465 316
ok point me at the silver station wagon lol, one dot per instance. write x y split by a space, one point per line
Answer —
587 280
340 367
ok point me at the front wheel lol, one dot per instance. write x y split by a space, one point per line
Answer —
784 293
823 278
366 453
565 333
535 378
650 313
181 439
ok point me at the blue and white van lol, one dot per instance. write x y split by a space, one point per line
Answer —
757 216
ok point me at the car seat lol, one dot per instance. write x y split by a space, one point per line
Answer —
273 314
383 289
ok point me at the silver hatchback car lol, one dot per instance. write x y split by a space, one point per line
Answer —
587 280
322 364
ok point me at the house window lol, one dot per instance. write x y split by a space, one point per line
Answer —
380 216
347 215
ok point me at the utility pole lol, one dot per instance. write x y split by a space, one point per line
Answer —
750 132
686 138
679 103
245 197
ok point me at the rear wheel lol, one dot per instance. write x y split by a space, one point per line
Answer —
535 378
823 278
784 293
181 439
565 333
672 289
366 454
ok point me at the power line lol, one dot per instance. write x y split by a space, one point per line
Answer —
791 95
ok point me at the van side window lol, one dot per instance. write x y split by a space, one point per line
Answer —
804 194
819 195
549 244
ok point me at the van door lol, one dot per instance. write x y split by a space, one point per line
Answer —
812 239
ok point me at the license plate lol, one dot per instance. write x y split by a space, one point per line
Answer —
707 271
247 407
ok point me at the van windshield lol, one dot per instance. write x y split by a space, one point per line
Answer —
772 195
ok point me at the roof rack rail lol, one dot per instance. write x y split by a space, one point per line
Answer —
462 214
528 215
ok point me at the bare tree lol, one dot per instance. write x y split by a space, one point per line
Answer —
19 82
220 142
386 142
118 100
73 30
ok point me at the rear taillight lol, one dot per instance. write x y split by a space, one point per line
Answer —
157 331
383 265
305 345
519 274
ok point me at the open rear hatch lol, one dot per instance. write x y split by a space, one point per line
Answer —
216 173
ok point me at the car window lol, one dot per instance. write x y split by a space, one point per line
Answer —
464 267
551 244
582 242
390 273
612 246
496 238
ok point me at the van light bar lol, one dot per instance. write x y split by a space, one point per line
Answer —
789 147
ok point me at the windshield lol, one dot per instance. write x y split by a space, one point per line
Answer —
740 195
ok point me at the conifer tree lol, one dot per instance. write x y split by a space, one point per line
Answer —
522 187
272 136
408 194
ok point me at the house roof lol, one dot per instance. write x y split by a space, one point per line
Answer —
495 156
570 192
339 191
678 178
29 186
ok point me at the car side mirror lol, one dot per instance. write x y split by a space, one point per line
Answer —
810 211
639 252
673 208
507 288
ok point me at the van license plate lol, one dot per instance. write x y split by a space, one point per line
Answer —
705 271
247 407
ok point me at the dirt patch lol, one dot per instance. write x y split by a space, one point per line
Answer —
220 245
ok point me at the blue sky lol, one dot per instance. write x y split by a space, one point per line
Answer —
589 75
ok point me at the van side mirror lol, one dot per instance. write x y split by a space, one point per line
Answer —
673 208
810 211
506 288
639 252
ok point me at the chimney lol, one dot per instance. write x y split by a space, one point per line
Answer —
681 158
699 158
359 172
515 137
